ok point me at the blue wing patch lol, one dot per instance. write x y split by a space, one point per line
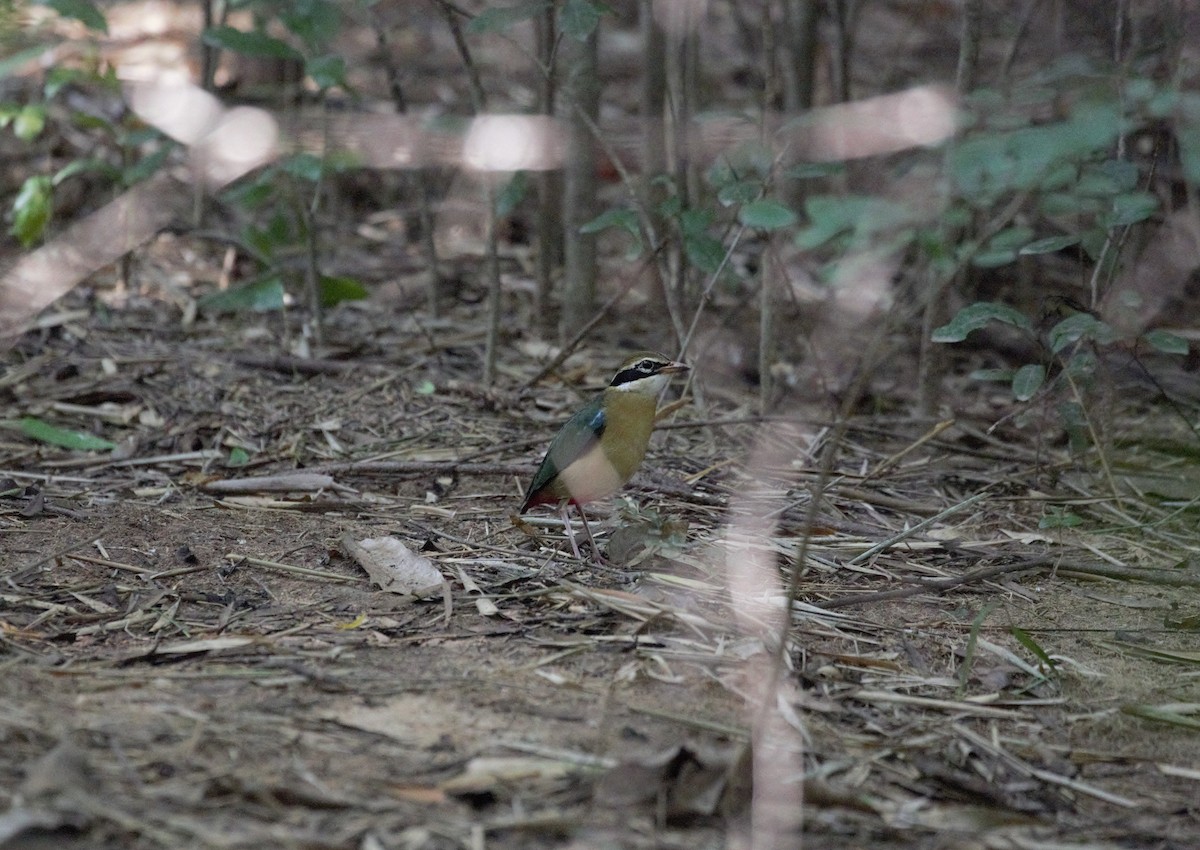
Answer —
580 433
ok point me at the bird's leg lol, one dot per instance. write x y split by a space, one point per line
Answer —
571 532
587 530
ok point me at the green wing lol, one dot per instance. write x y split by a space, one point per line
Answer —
580 433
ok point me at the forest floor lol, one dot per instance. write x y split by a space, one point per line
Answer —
185 665
994 642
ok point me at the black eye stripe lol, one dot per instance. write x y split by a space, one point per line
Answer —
636 372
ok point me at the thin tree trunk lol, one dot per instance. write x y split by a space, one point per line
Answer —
682 90
800 54
931 365
842 46
549 186
582 100
417 181
654 142
492 267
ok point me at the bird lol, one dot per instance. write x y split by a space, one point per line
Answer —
598 449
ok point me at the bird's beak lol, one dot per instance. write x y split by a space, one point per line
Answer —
673 367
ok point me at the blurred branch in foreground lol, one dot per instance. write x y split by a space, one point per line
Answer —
228 144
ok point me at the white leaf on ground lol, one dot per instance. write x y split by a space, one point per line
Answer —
393 566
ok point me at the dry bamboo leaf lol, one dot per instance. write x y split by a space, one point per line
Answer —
483 605
40 822
423 721
207 645
1176 714
423 794
1026 536
971 820
114 414
951 706
1176 770
682 582
287 482
393 566
691 778
485 774
1170 656
261 503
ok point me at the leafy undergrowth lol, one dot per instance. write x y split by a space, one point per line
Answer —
990 645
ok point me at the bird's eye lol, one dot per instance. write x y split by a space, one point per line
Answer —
646 366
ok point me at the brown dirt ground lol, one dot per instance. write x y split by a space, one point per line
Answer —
160 690
162 685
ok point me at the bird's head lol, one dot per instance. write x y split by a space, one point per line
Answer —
646 373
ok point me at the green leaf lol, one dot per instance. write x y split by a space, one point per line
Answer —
999 375
326 71
1079 326
316 22
253 43
624 219
1060 518
255 192
993 259
810 170
31 209
991 163
10 65
863 216
306 166
1075 423
99 123
29 122
79 10
1063 175
1067 204
261 295
1093 241
278 233
746 160
335 290
1011 238
146 166
1141 88
85 166
1111 177
76 440
237 457
964 671
705 252
670 206
1131 208
1082 365
1166 342
1023 637
739 192
1096 184
579 19
1163 104
695 222
1028 380
511 195
499 18
1050 244
977 315
766 215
